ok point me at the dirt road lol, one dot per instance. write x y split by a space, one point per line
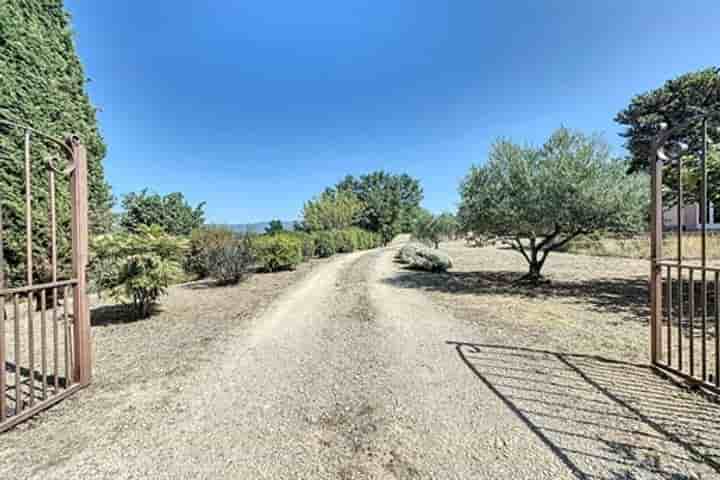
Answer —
348 376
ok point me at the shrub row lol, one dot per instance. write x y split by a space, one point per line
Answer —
330 242
137 268
220 253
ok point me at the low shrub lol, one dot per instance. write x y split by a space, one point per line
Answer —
281 251
330 242
365 240
325 243
229 262
137 268
203 241
345 240
308 244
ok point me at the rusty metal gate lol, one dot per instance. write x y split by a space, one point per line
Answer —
44 319
684 287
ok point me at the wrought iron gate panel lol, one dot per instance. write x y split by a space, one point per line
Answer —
45 327
684 289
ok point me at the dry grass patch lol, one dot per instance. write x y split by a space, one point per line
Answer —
591 304
571 359
639 247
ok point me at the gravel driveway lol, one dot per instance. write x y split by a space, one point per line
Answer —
348 375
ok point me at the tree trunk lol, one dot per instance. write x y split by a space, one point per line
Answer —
535 262
534 275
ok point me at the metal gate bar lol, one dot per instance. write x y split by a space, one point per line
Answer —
46 364
680 307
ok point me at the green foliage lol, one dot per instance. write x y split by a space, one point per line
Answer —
352 239
345 241
332 210
692 178
42 85
325 243
673 103
308 243
435 228
136 268
274 227
542 198
365 240
281 251
172 212
330 242
389 201
230 261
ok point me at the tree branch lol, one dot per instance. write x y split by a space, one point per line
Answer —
521 249
547 239
565 240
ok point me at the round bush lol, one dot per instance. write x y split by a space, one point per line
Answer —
229 263
278 252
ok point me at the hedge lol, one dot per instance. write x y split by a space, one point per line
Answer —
43 85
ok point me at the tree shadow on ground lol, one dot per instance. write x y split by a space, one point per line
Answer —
204 284
107 315
210 283
610 295
603 418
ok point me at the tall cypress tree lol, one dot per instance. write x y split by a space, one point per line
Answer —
42 85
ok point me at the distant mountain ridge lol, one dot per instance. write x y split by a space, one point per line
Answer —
258 227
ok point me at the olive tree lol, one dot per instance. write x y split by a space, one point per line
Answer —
542 198
435 228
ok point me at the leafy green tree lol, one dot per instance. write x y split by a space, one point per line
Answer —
137 268
389 201
332 210
541 198
172 212
42 85
274 227
674 103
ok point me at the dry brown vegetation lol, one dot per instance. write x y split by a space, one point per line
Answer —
639 247
590 304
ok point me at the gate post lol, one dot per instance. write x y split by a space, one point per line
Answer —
82 364
656 238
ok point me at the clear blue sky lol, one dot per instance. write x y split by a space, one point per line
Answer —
255 106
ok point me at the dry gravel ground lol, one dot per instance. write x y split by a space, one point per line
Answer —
359 369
